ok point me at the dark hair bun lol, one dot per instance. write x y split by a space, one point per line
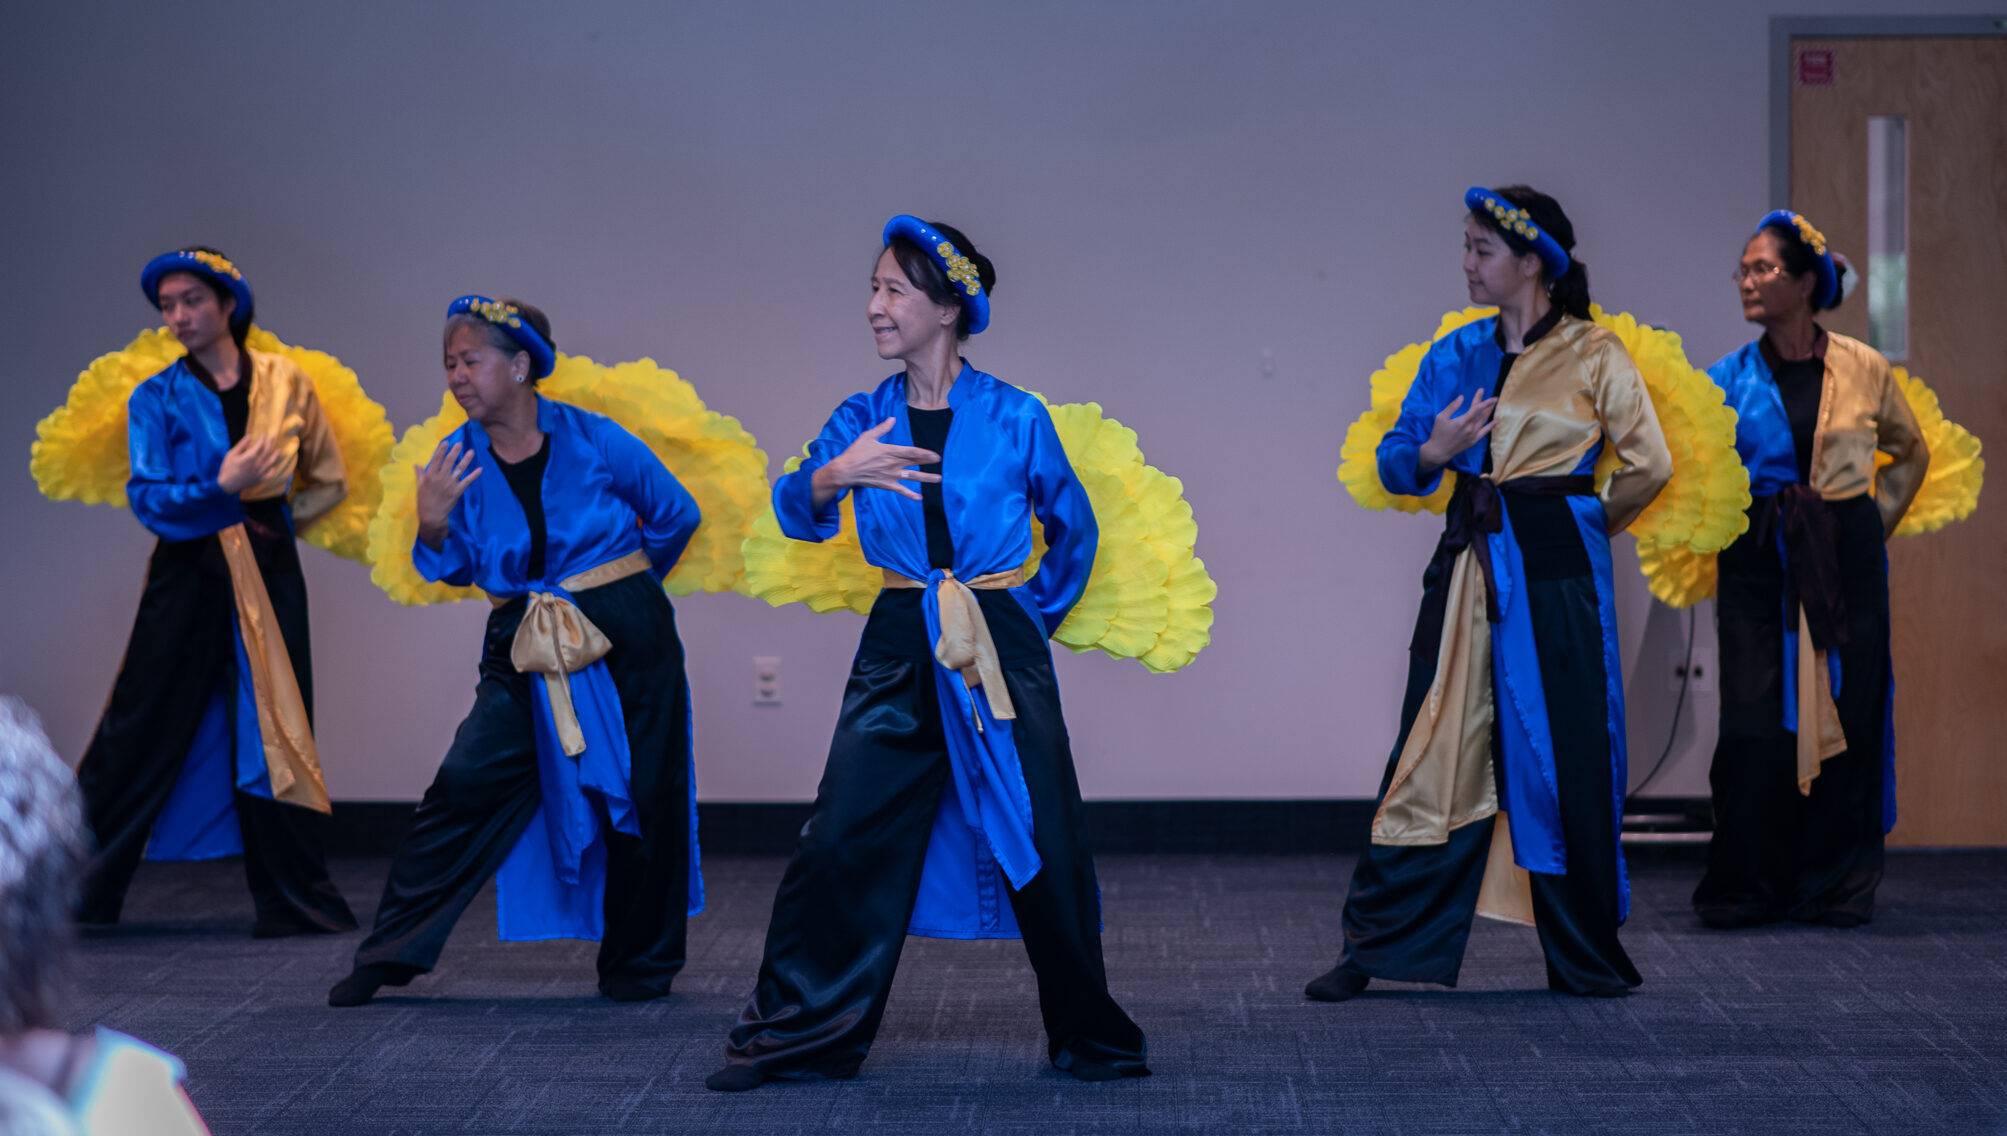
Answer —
540 322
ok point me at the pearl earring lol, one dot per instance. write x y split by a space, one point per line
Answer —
520 378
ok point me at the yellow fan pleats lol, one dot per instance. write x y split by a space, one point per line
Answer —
710 454
1699 512
830 576
1676 574
1951 486
80 449
1706 504
1148 598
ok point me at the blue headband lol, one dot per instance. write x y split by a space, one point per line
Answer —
207 265
508 317
1514 220
1828 293
961 271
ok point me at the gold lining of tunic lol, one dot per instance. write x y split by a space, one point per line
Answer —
283 407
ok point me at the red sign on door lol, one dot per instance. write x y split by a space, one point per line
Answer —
1815 67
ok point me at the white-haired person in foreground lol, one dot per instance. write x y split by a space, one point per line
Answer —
52 1081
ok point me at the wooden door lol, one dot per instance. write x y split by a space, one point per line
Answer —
1948 589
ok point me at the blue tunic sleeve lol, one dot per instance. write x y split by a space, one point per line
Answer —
1400 451
794 493
1063 509
171 506
452 563
666 511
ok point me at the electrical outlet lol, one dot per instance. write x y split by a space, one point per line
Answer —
1705 665
766 680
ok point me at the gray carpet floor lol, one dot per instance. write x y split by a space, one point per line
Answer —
1900 1026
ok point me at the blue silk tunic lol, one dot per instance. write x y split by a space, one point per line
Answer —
175 441
1003 463
605 495
1465 362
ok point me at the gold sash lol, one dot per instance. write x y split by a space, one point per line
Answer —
291 761
556 640
965 643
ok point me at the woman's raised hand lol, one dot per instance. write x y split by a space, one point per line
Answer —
440 484
253 461
871 464
1454 433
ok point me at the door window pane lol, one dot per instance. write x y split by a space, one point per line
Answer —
1888 236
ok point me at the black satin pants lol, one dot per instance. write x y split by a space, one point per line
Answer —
487 790
182 651
840 918
1409 912
1778 853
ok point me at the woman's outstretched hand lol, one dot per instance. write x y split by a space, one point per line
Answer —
1454 433
871 464
440 484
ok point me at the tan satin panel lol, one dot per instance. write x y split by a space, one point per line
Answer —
1862 411
966 645
291 760
1815 705
1507 891
556 640
283 406
1575 385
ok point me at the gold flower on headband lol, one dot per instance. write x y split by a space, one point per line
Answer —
218 264
1513 220
496 312
960 269
1809 235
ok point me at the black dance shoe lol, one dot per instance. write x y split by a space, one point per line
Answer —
734 1079
1617 991
1339 984
362 984
632 990
284 928
1095 1071
1735 918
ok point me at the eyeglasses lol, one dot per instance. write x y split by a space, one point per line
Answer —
1760 271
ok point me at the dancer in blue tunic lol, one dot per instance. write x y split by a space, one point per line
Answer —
206 745
1803 775
570 780
949 805
1514 704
